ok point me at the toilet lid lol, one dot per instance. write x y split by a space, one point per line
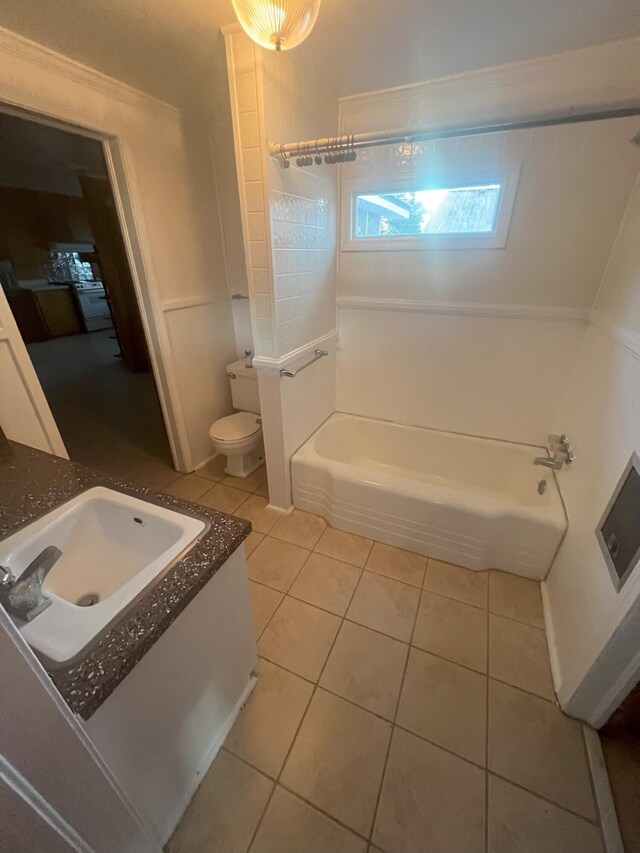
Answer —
235 427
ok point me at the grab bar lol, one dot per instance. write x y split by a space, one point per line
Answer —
319 353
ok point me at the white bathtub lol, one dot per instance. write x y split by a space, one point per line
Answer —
469 501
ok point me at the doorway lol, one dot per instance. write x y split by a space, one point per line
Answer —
65 273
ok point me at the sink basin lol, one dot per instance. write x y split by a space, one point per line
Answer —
114 547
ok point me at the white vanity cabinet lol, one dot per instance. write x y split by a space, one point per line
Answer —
161 728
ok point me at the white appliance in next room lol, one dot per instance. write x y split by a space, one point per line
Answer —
94 307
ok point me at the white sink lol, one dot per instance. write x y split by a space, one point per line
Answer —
113 547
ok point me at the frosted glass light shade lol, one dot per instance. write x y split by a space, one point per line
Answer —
277 24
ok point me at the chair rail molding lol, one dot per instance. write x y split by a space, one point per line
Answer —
466 309
275 364
627 338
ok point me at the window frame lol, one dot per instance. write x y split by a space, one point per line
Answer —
496 239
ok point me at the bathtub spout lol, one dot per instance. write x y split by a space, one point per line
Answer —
556 464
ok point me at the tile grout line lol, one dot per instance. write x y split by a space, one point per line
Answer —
295 794
394 725
422 737
306 710
395 717
411 644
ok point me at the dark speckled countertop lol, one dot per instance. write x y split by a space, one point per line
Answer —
31 484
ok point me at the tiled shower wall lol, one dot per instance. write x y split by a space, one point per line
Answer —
299 229
250 160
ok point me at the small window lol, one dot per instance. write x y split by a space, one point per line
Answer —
459 210
473 215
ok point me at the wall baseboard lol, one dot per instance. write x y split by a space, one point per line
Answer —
602 791
467 309
554 659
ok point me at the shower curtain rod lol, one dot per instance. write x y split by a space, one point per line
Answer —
355 141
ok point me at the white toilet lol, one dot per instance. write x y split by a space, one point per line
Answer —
239 436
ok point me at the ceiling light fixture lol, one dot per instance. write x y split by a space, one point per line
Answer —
277 24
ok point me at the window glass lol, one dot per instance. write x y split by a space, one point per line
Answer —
456 210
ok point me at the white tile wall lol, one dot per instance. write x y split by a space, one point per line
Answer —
303 249
290 244
243 68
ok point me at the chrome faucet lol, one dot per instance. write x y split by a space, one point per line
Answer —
561 453
23 596
556 464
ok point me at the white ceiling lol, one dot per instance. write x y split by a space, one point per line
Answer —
172 48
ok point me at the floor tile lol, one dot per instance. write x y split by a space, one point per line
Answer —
263 490
267 724
455 582
516 597
276 563
246 484
337 760
344 546
261 516
385 605
223 498
327 583
188 486
397 564
225 811
299 638
213 470
292 826
520 822
299 527
532 743
367 668
431 800
446 704
252 541
518 654
264 602
453 630
109 417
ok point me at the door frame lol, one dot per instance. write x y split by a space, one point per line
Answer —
22 95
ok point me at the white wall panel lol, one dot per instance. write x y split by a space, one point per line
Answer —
600 412
488 376
165 191
202 344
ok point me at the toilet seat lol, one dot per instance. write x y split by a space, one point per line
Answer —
236 427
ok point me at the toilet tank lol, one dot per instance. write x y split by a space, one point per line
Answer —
244 387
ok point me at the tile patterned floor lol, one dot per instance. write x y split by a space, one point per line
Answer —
403 705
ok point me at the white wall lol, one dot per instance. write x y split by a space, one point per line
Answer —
289 225
166 189
488 376
595 660
574 184
479 341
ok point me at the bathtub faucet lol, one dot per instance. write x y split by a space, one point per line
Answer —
548 463
561 453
